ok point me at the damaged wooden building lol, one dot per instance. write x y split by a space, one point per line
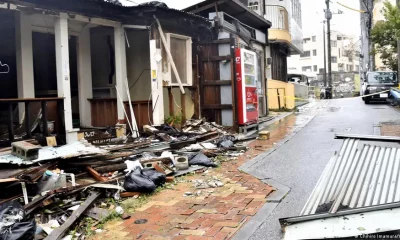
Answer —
85 63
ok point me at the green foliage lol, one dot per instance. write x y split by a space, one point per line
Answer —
175 119
384 35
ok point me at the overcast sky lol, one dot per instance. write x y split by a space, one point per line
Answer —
348 22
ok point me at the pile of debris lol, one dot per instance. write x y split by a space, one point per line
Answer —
49 189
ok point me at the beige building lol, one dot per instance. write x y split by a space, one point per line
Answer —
345 55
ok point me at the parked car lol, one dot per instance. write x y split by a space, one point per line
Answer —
376 83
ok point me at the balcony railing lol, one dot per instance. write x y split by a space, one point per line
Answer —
278 16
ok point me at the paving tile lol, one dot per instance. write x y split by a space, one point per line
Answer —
193 232
211 232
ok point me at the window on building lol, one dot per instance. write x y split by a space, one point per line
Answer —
351 68
314 52
357 68
306 54
306 68
315 68
306 40
333 43
340 68
181 51
334 59
314 38
339 52
321 70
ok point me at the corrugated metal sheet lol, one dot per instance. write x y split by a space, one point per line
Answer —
76 149
361 175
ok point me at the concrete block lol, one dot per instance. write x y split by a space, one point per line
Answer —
25 150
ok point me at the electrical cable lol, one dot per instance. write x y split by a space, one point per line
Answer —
353 9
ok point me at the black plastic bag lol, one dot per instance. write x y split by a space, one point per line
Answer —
137 182
158 178
202 160
13 223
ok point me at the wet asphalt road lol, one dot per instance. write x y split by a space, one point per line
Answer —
299 162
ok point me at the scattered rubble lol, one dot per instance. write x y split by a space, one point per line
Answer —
58 185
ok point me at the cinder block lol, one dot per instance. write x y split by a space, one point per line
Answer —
25 150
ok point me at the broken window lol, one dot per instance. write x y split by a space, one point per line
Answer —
181 51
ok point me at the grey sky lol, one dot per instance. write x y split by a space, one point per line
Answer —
348 22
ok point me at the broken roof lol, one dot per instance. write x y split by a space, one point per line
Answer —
109 9
232 7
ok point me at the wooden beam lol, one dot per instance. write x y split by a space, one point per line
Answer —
217 106
218 41
170 102
183 108
218 58
59 232
95 174
170 58
217 83
129 194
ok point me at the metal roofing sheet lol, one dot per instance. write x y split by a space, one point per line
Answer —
360 175
76 149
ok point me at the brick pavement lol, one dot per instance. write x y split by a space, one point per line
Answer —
217 213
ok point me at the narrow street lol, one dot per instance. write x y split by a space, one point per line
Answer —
299 162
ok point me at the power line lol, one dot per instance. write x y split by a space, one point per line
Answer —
341 4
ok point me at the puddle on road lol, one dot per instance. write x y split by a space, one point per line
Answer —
279 131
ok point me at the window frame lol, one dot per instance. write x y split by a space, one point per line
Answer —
315 52
189 70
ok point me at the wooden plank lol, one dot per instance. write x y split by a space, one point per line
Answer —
111 168
59 233
217 106
171 102
17 100
95 174
196 80
218 41
10 122
129 194
51 141
217 58
217 83
6 180
183 108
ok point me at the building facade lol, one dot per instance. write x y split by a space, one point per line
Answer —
345 55
285 35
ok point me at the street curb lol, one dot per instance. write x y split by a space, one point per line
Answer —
257 220
275 198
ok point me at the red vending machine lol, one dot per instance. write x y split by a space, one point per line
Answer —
247 77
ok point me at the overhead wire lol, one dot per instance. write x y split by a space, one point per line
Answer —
353 9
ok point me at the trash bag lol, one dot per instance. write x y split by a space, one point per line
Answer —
226 141
137 182
158 178
202 160
13 223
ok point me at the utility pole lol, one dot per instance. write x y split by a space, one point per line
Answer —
325 53
328 16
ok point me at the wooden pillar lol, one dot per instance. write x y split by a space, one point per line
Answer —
120 69
63 73
85 77
24 57
156 84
